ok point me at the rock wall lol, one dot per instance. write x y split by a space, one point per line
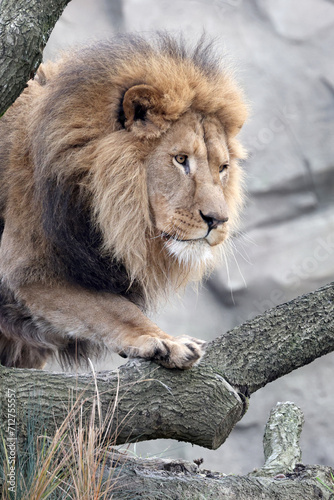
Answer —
283 55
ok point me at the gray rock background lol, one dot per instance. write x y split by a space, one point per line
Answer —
283 54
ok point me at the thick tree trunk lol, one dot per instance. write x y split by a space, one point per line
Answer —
25 28
198 406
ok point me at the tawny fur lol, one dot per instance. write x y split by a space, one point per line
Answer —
88 133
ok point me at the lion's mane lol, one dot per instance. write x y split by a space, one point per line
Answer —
90 217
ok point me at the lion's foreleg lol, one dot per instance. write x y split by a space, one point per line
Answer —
112 319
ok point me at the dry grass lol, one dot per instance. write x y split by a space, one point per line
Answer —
78 463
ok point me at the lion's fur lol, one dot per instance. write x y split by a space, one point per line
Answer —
64 152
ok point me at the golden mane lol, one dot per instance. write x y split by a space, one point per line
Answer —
111 165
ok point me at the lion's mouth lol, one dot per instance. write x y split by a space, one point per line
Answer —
169 237
212 238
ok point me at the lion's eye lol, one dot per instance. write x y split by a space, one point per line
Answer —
223 167
181 159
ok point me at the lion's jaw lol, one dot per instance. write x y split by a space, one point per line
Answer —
191 254
191 202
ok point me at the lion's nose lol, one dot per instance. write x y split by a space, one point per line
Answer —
212 220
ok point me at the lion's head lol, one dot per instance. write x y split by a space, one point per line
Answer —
146 132
189 188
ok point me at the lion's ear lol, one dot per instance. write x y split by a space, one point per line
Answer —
143 111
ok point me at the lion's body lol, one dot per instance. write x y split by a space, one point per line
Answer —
111 195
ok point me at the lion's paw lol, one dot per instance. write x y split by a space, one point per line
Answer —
172 352
184 353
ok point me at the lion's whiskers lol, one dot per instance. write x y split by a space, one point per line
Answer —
234 247
228 274
242 235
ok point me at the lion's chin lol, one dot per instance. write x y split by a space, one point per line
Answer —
192 254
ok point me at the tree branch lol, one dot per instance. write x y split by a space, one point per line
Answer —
198 406
25 28
277 342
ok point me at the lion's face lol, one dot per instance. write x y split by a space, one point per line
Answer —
188 177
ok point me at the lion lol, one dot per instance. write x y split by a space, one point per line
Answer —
120 184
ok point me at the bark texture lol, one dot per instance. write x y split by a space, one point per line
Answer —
280 478
281 439
271 345
198 406
174 481
25 28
